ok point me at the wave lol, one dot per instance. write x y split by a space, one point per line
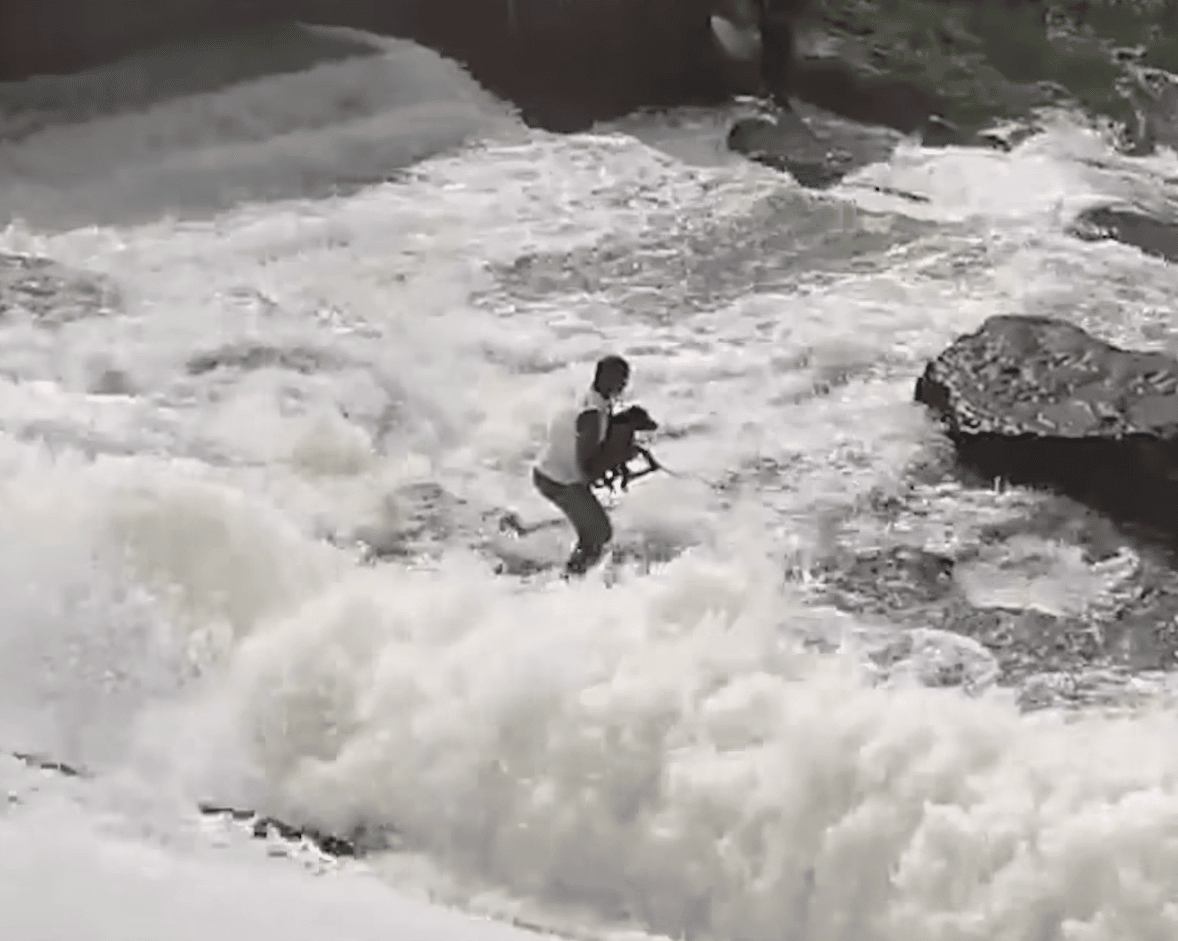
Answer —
702 750
329 128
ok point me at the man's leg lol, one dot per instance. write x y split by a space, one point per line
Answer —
593 528
588 517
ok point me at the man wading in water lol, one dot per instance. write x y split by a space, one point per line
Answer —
574 458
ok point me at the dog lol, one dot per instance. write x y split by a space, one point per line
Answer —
618 448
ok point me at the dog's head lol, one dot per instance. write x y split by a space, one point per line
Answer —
636 418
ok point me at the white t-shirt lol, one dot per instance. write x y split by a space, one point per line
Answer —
558 462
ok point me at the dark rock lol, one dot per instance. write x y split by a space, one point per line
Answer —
1027 642
892 580
875 99
786 143
296 359
1038 401
50 293
915 590
49 764
1153 236
1005 136
564 64
568 64
360 839
357 843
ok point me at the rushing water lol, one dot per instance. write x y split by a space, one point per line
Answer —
192 462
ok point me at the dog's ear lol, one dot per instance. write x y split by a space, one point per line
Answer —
642 419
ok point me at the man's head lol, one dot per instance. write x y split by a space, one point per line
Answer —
611 376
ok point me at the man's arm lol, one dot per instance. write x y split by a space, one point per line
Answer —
588 445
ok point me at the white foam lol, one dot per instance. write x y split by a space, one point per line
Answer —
664 750
62 875
1052 175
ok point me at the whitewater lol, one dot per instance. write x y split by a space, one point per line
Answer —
250 478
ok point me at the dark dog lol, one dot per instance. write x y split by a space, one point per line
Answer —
619 448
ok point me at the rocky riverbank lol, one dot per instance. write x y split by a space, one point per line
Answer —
949 70
978 64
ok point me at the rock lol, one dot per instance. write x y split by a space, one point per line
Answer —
45 763
1038 401
895 103
787 143
51 293
569 64
565 65
359 842
1153 236
297 359
872 99
918 594
890 580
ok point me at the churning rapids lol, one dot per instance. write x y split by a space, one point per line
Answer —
252 356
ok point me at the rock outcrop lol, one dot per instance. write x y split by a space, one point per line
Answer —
1156 237
787 143
565 65
946 70
1038 401
51 294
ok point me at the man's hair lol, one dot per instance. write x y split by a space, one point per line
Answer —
609 363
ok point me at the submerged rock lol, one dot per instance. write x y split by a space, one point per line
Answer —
874 99
50 293
1155 237
946 70
786 143
1040 594
571 63
1038 401
258 356
359 842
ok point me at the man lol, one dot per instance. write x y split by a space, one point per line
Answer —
777 48
761 30
574 458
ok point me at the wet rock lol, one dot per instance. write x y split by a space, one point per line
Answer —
413 521
358 842
915 590
872 99
46 763
1040 402
936 658
569 64
1156 237
1026 642
50 293
297 359
786 143
1056 593
900 578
